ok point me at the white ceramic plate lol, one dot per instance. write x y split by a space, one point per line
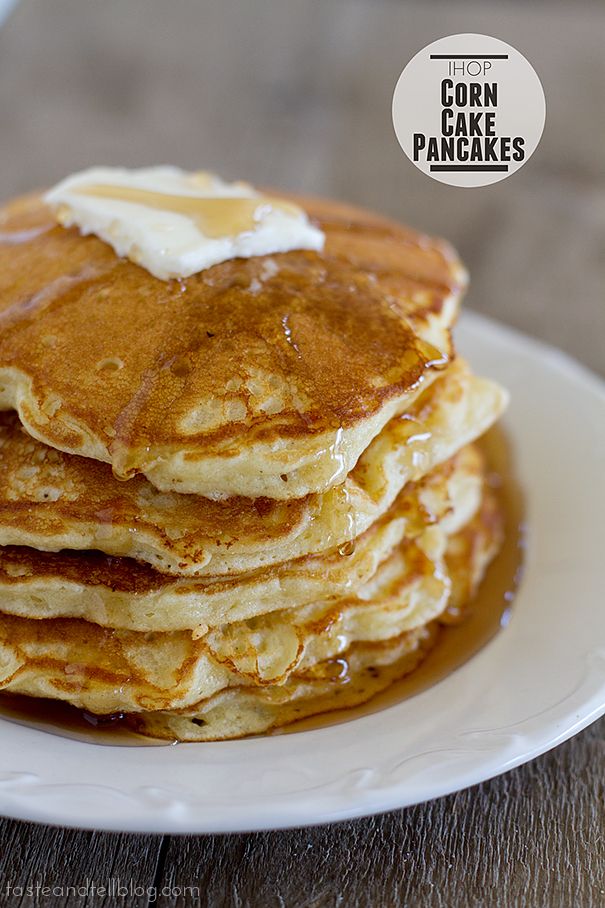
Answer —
537 683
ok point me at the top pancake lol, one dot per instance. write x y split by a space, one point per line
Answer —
265 376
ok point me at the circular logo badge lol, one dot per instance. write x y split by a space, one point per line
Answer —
469 110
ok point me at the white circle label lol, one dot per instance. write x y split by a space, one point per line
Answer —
469 110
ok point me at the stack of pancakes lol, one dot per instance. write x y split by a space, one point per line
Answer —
242 498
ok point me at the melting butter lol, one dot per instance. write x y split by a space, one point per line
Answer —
175 223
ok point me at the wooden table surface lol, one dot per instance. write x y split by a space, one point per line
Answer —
297 93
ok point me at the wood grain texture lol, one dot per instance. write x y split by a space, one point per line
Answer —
69 862
297 93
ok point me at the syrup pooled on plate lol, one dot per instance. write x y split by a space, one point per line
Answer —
59 718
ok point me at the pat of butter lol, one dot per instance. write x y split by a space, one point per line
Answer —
175 223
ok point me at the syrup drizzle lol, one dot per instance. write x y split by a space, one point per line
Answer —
214 216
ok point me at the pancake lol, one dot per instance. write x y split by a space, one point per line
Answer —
266 376
50 500
207 682
122 593
365 670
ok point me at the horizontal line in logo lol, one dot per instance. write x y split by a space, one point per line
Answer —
468 57
466 167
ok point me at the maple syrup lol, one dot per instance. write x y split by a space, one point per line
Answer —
215 217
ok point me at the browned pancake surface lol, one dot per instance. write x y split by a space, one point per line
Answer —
266 348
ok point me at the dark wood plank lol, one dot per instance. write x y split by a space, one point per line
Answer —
76 866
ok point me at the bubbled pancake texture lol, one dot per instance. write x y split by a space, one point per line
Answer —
233 501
